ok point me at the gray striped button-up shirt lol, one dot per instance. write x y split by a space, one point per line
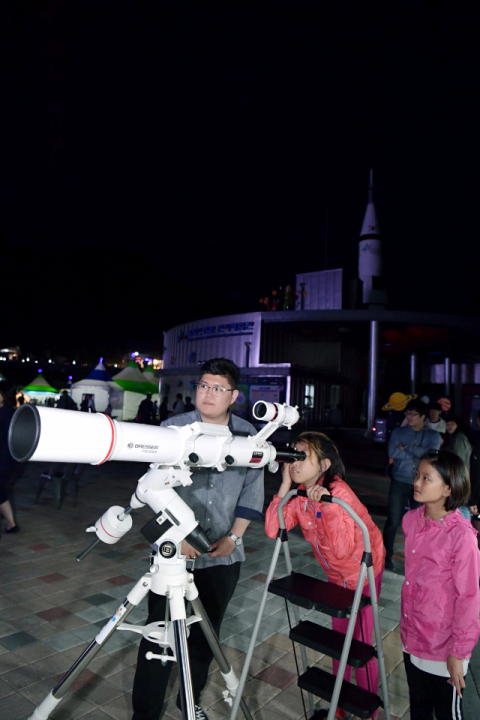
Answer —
217 498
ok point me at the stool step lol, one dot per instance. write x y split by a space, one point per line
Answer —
313 594
330 642
353 699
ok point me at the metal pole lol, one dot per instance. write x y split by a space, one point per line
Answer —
448 376
372 376
413 373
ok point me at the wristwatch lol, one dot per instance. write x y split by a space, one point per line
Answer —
237 540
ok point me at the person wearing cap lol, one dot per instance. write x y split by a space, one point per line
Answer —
406 446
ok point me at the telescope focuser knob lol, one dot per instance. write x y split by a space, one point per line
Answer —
229 460
193 457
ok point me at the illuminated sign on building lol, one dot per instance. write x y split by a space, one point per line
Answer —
215 331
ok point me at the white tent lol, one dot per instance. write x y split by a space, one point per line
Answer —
149 376
99 384
135 389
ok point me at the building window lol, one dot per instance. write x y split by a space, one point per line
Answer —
309 398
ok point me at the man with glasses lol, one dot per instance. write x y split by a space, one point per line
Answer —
224 503
406 446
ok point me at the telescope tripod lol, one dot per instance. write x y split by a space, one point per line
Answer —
172 580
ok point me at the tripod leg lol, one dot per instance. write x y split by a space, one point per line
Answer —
184 674
134 597
226 669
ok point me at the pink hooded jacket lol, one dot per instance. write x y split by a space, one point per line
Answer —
336 540
440 595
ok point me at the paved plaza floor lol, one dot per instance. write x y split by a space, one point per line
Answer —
51 607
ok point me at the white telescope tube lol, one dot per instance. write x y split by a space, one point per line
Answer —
53 435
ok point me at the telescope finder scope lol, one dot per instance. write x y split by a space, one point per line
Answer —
275 412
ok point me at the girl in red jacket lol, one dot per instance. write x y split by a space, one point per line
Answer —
336 540
440 595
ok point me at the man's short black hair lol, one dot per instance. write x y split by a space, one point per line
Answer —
224 367
435 406
418 406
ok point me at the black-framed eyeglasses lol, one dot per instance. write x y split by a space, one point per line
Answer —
217 390
412 413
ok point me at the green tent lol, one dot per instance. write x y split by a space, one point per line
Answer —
39 385
131 379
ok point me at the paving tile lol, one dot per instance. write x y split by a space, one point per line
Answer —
33 652
17 640
119 708
16 706
41 632
71 708
98 599
53 578
121 580
53 613
93 614
277 676
63 641
5 689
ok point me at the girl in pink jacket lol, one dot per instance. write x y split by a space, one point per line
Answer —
440 595
336 540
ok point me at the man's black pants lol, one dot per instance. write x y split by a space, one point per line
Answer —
400 494
429 693
216 586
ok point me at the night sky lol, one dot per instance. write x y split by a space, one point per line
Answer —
166 162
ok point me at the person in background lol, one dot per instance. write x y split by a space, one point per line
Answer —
434 421
65 402
189 406
439 622
145 410
179 405
474 501
164 411
7 463
406 446
456 442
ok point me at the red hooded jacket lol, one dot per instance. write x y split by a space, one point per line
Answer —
336 540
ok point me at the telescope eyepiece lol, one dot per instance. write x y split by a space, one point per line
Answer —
289 455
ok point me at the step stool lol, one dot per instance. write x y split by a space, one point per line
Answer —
312 594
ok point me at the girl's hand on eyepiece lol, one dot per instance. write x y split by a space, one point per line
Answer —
315 493
455 668
286 485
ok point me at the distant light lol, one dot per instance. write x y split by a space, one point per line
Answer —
101 359
374 429
28 359
74 363
136 354
70 377
23 360
115 365
40 370
36 362
133 354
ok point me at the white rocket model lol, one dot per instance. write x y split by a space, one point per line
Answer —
370 254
